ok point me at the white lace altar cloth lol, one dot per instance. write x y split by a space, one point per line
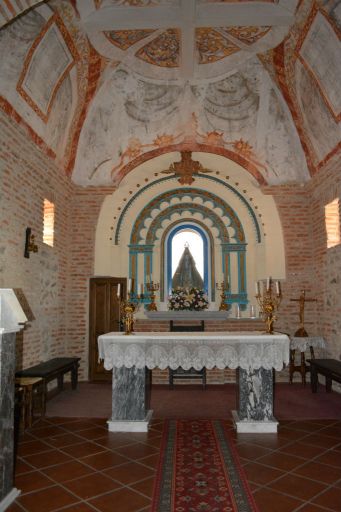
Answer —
194 350
303 343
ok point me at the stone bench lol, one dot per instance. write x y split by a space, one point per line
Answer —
330 368
53 369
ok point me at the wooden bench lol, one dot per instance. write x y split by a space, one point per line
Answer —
330 368
54 369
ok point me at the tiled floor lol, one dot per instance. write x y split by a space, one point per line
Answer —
76 465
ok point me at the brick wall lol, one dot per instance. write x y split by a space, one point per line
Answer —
27 177
56 280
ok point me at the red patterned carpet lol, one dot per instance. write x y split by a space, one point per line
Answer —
199 469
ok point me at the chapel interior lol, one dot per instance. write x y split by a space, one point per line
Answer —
124 123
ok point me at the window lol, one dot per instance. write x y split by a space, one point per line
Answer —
332 220
48 234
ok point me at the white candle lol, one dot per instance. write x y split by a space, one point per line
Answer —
257 287
129 285
277 287
118 290
268 284
139 289
252 311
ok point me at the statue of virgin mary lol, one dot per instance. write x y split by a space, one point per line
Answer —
186 274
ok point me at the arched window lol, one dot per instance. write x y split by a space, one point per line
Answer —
198 245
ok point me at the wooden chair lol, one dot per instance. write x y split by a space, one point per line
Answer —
190 374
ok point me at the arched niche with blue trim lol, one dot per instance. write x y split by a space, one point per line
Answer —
169 256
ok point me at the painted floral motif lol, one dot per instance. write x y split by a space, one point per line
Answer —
190 299
212 46
248 35
124 39
163 51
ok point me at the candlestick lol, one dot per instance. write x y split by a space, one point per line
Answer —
269 304
223 296
152 288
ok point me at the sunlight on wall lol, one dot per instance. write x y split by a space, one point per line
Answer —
195 246
48 234
332 219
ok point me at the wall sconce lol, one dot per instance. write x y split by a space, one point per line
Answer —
30 245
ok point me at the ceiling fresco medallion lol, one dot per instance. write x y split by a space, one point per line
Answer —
163 51
124 39
212 46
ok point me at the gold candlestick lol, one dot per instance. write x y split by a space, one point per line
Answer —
222 287
128 309
269 303
152 287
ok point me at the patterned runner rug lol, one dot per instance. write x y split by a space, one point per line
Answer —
199 470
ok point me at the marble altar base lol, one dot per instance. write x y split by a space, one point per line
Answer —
254 427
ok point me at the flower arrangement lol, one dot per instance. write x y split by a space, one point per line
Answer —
190 299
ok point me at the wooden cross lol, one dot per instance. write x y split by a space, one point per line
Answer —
301 332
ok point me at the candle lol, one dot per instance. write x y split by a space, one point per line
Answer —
268 284
139 289
252 311
129 285
118 290
277 287
257 287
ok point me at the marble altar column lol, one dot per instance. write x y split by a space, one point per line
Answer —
10 316
255 401
130 400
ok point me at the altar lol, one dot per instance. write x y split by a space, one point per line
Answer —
132 357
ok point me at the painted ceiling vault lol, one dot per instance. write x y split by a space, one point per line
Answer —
102 86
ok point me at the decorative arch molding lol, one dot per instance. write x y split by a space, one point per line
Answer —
171 178
238 158
160 211
177 194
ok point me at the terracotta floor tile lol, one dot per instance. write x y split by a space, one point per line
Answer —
330 457
32 481
92 485
301 449
125 500
45 459
319 472
321 440
271 501
281 461
75 426
331 498
137 451
309 507
144 487
47 499
22 467
113 443
260 474
78 507
83 449
14 507
32 447
62 440
297 487
152 461
92 433
104 460
252 451
129 473
47 431
67 471
60 420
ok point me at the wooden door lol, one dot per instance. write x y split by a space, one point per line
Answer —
103 317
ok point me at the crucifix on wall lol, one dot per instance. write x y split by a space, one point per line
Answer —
301 332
